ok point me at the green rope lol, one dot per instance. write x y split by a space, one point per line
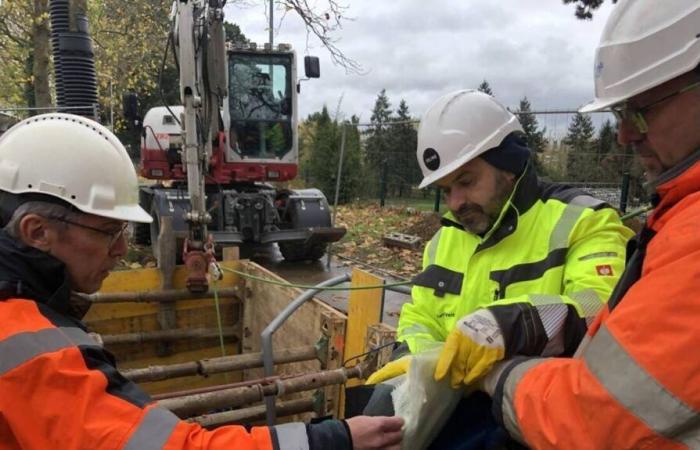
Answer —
306 286
636 213
214 286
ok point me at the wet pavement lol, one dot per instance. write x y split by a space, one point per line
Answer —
311 273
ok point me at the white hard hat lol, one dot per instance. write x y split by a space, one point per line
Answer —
457 128
644 44
74 159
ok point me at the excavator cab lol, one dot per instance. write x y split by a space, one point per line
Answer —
261 105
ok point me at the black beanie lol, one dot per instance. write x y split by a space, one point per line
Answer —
512 155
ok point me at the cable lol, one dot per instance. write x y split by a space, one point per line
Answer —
636 213
307 287
369 352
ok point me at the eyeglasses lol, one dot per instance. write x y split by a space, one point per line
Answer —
114 236
635 115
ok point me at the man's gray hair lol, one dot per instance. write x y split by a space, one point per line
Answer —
44 209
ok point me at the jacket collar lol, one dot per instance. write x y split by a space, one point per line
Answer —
524 195
27 272
673 185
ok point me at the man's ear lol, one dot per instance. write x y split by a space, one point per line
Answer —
35 232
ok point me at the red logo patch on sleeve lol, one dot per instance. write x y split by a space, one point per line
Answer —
604 270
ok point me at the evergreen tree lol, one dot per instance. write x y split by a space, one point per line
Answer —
607 139
581 165
321 163
485 88
377 143
404 170
533 134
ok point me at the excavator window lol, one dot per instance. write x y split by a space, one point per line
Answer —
260 104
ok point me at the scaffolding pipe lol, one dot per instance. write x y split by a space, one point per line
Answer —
219 387
167 335
254 413
211 366
169 295
235 397
266 335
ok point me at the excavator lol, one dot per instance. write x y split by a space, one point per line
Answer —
215 156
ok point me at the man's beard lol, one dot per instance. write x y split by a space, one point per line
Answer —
479 219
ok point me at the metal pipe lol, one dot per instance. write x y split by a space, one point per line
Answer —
266 335
232 398
167 335
401 289
168 295
254 413
221 364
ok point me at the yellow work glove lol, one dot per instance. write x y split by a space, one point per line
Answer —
391 370
471 349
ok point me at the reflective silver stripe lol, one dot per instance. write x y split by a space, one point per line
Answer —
510 418
598 255
153 431
589 301
292 436
560 235
586 201
545 299
416 328
640 393
552 318
432 247
22 347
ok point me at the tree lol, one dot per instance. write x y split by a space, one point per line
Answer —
403 137
24 42
581 165
485 88
607 139
377 144
533 134
585 8
324 144
234 34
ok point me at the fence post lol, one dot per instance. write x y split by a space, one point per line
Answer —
337 192
624 191
382 185
438 194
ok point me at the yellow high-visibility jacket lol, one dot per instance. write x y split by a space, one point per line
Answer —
544 269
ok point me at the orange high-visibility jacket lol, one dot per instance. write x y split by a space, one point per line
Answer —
634 383
60 390
57 392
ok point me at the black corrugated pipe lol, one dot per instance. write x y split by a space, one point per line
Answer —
74 62
60 23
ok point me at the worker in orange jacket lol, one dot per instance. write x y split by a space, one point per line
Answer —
634 382
67 192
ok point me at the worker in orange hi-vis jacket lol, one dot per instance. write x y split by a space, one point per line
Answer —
67 192
634 382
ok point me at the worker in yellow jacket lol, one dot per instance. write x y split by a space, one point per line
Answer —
535 258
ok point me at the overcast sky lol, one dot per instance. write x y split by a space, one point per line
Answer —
419 50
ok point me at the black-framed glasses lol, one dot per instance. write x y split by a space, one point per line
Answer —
635 115
114 236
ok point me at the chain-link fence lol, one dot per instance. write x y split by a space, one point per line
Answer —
568 147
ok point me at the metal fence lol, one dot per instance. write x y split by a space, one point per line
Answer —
598 165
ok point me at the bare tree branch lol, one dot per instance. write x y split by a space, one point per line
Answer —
322 24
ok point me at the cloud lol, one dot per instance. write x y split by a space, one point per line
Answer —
419 50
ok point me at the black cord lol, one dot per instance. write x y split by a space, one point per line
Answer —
369 352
